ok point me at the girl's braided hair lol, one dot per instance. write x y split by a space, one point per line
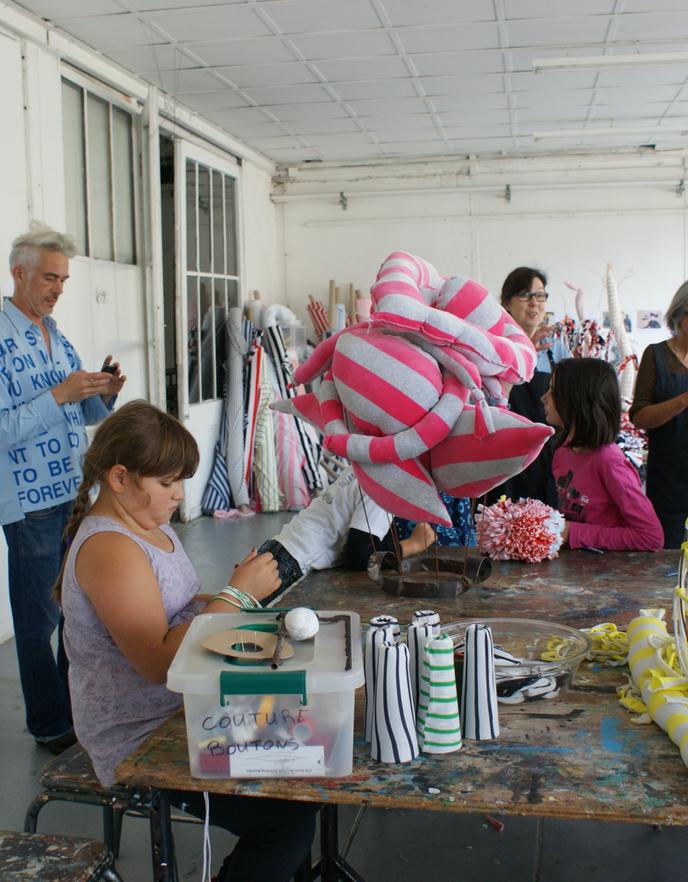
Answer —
144 439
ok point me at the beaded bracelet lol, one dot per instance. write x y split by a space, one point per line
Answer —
237 598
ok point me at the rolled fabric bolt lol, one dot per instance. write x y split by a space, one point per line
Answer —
425 625
438 724
479 713
382 629
394 733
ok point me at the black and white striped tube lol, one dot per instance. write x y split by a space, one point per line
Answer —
394 726
479 715
383 629
425 625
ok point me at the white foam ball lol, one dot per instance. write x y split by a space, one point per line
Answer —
301 623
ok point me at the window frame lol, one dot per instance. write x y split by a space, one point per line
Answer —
133 108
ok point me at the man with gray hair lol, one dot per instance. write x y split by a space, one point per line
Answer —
46 401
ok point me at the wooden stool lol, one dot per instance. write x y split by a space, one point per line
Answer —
70 778
30 856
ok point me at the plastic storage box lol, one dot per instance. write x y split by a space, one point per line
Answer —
246 720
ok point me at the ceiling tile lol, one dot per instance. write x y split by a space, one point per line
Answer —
382 68
412 72
562 31
322 126
232 116
143 59
463 84
316 110
52 11
403 12
113 31
209 102
293 73
378 89
554 79
452 63
549 114
672 74
263 50
635 94
469 103
451 38
286 94
410 122
653 25
399 107
557 8
153 5
351 44
311 16
180 82
657 5
209 22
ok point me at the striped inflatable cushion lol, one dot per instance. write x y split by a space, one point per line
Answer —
412 298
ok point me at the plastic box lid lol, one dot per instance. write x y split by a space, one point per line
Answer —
196 670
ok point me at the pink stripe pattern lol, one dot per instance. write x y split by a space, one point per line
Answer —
403 395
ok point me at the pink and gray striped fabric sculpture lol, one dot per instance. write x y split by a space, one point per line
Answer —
403 395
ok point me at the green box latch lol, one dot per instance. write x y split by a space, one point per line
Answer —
259 683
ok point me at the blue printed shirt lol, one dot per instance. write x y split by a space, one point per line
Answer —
42 443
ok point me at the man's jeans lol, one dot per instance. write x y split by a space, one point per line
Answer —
35 555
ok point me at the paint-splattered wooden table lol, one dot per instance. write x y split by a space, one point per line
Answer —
578 756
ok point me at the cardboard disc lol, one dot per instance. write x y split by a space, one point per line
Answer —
246 645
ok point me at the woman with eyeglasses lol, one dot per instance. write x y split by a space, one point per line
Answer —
524 296
660 405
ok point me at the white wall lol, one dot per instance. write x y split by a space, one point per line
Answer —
567 216
14 212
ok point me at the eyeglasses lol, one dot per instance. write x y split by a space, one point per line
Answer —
538 296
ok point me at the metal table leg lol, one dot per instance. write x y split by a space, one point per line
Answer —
162 843
332 867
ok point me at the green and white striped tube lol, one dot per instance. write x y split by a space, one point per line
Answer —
438 723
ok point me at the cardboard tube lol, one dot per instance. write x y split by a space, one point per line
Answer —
333 300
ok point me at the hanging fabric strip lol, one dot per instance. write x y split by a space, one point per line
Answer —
217 495
284 371
264 454
234 450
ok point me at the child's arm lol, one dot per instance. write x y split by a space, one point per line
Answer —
421 538
641 530
359 545
116 576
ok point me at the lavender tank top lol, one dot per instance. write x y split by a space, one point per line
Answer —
115 708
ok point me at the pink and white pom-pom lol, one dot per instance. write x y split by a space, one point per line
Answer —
524 530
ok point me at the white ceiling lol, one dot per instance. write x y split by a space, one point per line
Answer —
373 79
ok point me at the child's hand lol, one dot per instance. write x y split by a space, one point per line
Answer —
256 574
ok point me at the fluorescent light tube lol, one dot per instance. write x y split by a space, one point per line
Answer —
653 131
575 62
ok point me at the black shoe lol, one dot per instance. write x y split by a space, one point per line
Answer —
58 745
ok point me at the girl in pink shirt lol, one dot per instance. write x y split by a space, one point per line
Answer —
599 490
